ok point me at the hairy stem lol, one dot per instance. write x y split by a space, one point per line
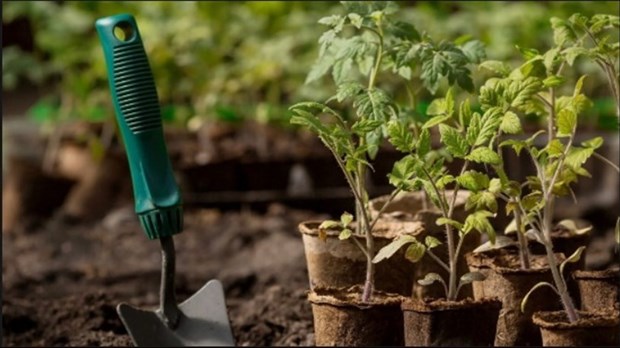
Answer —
524 254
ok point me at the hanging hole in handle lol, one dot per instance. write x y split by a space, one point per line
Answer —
123 31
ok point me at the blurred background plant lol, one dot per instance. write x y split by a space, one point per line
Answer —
235 61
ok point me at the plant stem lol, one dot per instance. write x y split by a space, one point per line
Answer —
524 255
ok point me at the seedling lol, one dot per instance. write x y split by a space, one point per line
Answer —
379 43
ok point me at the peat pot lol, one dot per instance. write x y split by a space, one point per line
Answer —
592 329
506 280
439 323
335 263
411 206
341 319
599 289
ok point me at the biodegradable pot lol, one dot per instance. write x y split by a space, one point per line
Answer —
334 263
506 280
410 206
341 319
592 329
449 323
598 289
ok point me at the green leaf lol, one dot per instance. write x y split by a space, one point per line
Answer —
423 144
572 228
573 258
431 242
435 121
511 124
345 234
563 31
496 66
364 126
430 278
577 156
578 86
549 58
566 122
500 242
593 143
445 221
465 114
473 180
470 277
555 148
415 252
402 170
571 53
553 81
347 90
484 155
400 136
495 186
527 296
403 31
327 224
355 19
474 50
346 219
390 249
455 143
479 221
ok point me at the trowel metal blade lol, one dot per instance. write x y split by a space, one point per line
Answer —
203 322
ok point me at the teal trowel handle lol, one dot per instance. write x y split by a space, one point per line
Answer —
157 197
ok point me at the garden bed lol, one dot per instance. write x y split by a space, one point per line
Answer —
61 283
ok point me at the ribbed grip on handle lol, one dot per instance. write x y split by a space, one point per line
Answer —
136 93
158 201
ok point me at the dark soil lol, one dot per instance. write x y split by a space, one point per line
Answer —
62 283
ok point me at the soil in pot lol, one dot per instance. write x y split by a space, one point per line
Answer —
598 289
411 206
506 280
334 263
341 319
592 329
448 323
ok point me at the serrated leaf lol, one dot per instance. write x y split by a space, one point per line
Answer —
483 155
555 148
348 90
571 53
415 252
474 50
473 180
577 156
364 126
578 86
573 258
400 136
500 242
511 124
430 278
355 19
566 122
432 242
455 143
479 221
529 293
390 249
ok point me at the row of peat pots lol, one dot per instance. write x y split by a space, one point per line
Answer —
487 313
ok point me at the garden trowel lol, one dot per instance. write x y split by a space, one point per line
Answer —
202 320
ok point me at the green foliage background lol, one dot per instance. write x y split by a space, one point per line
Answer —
239 60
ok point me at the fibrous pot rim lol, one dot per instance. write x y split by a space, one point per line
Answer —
435 305
487 260
612 273
351 297
383 229
556 320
